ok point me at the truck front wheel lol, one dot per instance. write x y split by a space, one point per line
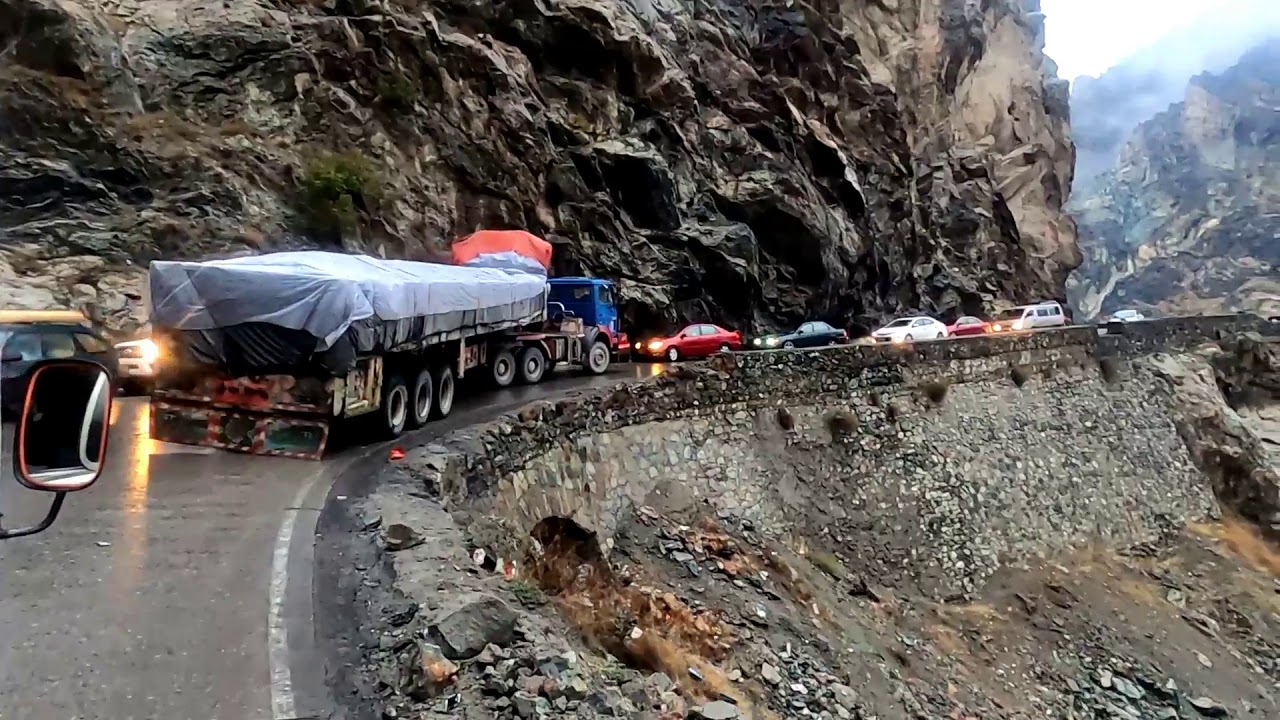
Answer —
598 358
423 397
395 406
446 386
533 365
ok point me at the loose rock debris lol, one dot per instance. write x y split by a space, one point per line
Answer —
717 618
402 537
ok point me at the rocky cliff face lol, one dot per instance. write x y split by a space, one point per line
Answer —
1188 221
746 162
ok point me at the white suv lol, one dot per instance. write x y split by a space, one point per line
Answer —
1030 317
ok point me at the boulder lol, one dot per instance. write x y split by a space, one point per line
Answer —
469 623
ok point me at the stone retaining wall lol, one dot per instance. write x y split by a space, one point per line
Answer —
934 464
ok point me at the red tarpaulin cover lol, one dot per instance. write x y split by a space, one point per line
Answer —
492 242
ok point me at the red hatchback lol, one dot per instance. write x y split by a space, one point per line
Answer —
702 340
968 325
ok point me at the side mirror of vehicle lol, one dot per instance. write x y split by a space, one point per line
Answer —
61 439
8 355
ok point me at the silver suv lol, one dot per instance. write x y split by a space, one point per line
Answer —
1030 317
1127 316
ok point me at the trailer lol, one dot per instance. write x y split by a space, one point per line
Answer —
271 354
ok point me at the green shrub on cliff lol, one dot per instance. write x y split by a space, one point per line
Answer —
829 564
396 93
337 190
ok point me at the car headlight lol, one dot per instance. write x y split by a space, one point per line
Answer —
771 342
1017 324
150 351
756 341
655 345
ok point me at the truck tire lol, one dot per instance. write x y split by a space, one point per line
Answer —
446 386
423 397
597 360
533 365
394 412
504 368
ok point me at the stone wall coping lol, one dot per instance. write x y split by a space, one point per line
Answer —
468 463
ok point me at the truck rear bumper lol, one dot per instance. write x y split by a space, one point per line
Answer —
240 431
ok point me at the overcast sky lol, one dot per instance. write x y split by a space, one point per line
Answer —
1088 37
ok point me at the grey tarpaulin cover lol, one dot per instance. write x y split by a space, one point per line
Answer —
334 297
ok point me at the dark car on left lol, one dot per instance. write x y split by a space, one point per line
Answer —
27 337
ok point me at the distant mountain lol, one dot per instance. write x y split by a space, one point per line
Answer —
1188 219
1105 110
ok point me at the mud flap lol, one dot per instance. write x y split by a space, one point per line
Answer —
272 435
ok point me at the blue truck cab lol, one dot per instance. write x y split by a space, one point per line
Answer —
595 301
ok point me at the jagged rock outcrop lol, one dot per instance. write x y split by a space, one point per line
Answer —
1228 413
745 162
1189 219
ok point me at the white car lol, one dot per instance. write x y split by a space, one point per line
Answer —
137 362
1127 316
911 329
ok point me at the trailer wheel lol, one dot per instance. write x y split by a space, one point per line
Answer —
446 386
423 397
395 406
504 368
598 358
533 365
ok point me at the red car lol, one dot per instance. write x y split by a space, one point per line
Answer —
968 325
701 340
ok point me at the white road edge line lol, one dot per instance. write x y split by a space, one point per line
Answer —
283 705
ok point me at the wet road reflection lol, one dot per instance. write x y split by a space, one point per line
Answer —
148 597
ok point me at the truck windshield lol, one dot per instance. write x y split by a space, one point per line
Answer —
570 293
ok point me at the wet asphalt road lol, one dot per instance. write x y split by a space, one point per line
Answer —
149 596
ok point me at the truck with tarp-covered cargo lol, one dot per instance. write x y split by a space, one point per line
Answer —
266 354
